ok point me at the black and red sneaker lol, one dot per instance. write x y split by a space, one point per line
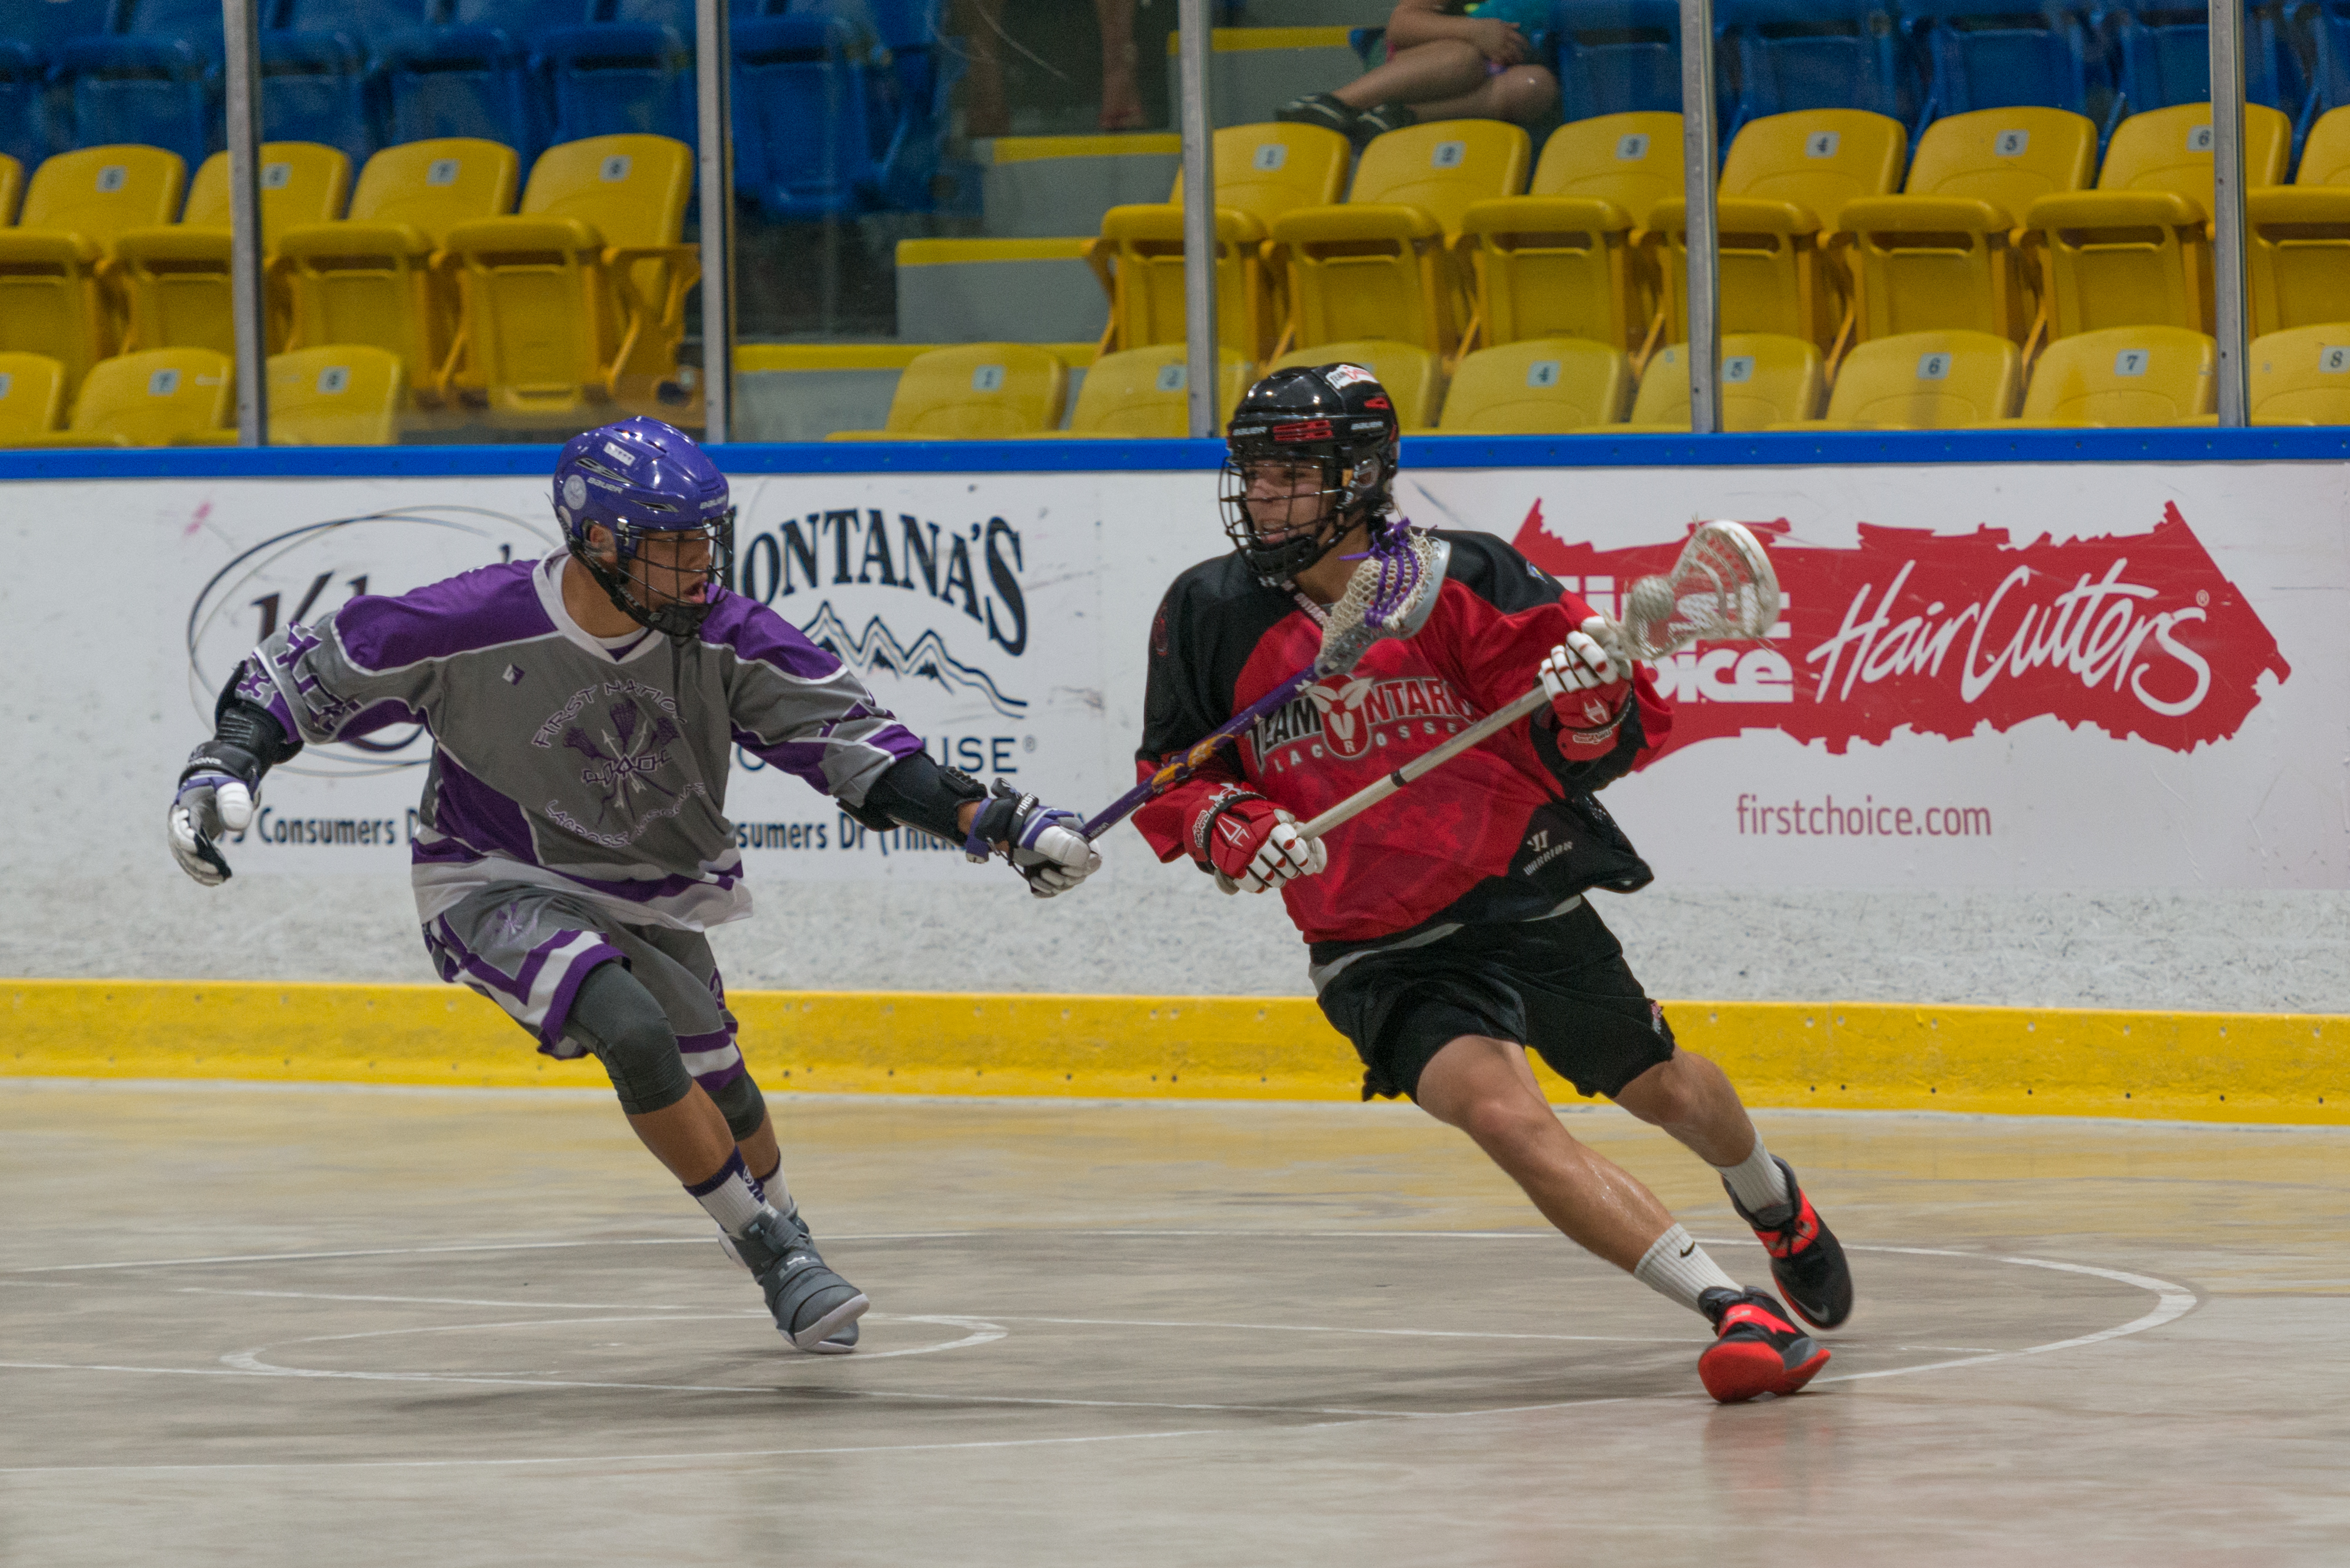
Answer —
1757 1349
1805 1260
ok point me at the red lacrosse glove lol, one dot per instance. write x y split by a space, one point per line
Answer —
1253 844
1590 679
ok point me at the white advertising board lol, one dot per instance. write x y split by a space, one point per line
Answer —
972 609
2088 676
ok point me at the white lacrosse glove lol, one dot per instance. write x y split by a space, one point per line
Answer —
211 801
1590 686
1254 845
1045 844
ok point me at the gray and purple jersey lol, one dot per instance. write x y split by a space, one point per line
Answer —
562 761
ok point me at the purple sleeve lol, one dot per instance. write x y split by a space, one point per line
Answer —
794 704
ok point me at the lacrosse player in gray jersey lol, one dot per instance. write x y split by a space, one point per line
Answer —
573 844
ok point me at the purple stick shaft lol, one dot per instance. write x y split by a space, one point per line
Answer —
1173 774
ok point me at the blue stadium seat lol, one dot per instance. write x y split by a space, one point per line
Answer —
315 87
1789 55
193 22
158 90
806 141
475 77
631 75
44 27
24 104
1998 54
156 80
912 100
363 21
320 80
2329 34
1617 56
2162 55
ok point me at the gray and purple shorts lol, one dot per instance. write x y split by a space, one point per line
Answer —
529 947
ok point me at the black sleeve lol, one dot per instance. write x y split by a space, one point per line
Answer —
918 793
1178 708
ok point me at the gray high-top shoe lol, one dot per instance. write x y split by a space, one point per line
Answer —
811 1304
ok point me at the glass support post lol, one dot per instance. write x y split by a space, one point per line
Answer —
241 23
1704 281
2228 313
1199 333
713 63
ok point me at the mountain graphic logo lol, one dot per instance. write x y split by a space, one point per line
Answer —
877 647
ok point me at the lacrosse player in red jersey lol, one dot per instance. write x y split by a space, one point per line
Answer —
1448 927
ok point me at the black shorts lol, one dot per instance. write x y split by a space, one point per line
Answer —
1558 986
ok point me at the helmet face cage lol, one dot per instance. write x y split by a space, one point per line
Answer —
1337 418
632 585
641 480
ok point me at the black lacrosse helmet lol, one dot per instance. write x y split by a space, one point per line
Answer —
1336 416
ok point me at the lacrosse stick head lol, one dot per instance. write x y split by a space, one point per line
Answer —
1391 593
1721 589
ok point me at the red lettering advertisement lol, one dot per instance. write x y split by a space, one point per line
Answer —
2137 635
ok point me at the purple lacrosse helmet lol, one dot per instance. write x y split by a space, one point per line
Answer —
637 478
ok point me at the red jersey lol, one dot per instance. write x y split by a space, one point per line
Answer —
1507 831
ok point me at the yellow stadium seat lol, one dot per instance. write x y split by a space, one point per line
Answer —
578 300
1261 171
2302 374
148 399
175 279
1413 375
32 396
1784 188
343 394
1923 381
12 188
369 279
1767 379
974 392
99 192
1949 252
2129 376
2136 251
2297 237
1540 385
1564 260
51 299
1381 264
1141 393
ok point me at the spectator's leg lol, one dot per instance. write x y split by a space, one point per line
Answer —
1519 93
983 111
1446 68
1121 97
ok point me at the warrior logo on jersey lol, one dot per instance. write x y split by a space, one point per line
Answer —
1350 717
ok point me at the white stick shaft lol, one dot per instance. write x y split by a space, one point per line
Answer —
1363 799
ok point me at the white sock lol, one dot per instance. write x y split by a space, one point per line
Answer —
1677 1268
1758 1181
729 1196
770 1186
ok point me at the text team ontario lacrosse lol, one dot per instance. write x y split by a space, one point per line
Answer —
567 865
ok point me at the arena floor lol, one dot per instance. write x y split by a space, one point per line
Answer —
297 1325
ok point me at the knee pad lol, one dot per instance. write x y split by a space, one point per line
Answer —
744 1106
618 1018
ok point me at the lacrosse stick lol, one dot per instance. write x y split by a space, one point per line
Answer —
1720 589
1391 593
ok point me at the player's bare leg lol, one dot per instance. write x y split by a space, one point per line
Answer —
689 1137
1485 1087
1693 1100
